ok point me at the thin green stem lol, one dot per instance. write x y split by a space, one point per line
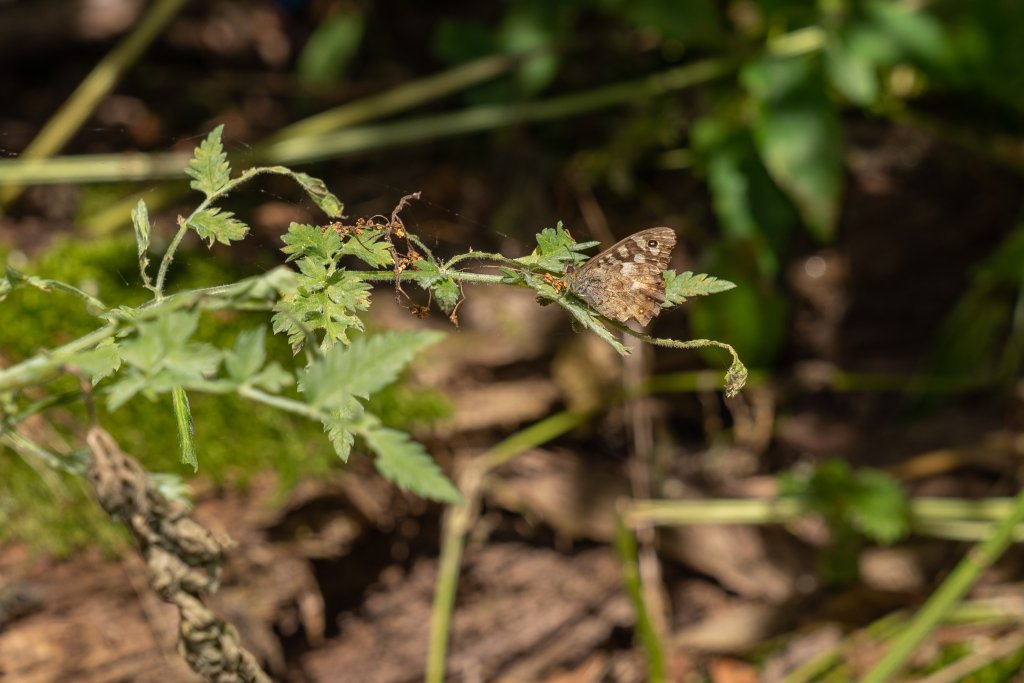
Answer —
165 262
949 593
96 86
42 366
288 405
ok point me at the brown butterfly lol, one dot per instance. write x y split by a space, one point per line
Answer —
624 281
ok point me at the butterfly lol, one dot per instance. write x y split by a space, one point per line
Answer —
624 281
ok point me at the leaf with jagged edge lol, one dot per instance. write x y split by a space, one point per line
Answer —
445 290
368 247
216 225
367 365
407 463
555 247
340 424
209 167
322 303
310 240
679 287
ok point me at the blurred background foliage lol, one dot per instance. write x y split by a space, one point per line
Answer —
746 154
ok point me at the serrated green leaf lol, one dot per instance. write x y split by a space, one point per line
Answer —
309 240
447 294
367 365
186 429
100 362
369 248
209 167
318 192
679 287
247 357
216 225
140 221
555 248
444 289
340 437
407 464
321 303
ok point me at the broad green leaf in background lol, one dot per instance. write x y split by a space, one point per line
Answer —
209 167
796 129
331 48
686 23
851 72
407 464
752 317
749 205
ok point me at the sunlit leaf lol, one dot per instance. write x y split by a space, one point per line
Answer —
216 225
209 167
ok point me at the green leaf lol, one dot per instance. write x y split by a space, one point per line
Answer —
748 203
407 464
310 240
850 72
367 365
5 288
340 437
186 429
555 247
368 247
161 358
339 426
318 192
796 128
878 507
100 362
444 289
140 220
679 287
216 225
331 47
248 355
321 303
209 167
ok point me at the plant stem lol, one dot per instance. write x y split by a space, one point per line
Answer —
37 369
956 585
289 405
95 86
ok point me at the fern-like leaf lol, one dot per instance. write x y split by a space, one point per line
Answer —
209 167
407 464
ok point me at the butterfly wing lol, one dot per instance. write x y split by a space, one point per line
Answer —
624 281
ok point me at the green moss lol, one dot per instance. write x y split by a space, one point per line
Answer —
236 439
